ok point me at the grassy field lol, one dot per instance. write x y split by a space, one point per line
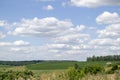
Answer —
55 70
55 65
60 65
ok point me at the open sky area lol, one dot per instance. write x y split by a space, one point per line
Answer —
59 29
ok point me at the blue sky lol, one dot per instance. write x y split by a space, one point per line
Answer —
58 29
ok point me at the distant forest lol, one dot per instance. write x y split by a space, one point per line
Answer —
104 58
93 58
21 63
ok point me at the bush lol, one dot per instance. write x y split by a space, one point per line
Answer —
15 75
93 69
75 74
109 72
114 67
76 66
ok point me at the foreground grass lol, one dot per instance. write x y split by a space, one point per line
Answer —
61 76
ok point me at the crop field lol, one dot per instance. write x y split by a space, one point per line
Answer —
60 65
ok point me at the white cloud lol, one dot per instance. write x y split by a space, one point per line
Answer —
45 27
111 31
15 43
3 23
21 50
94 3
5 44
108 18
63 40
108 39
57 46
73 36
2 35
48 7
20 42
66 38
106 42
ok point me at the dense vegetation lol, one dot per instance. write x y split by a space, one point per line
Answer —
104 58
16 75
19 63
76 73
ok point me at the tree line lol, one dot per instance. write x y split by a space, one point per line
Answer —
104 58
19 63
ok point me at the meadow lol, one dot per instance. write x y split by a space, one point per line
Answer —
59 65
56 70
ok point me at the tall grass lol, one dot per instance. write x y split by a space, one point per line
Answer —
93 72
62 76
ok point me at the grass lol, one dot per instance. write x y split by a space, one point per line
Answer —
55 65
4 66
55 70
59 65
58 75
13 68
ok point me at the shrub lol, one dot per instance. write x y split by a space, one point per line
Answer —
109 72
76 66
94 69
75 74
114 67
15 75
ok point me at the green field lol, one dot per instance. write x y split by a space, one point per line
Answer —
55 65
4 66
60 65
56 70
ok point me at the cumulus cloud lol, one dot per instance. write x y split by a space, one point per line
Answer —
64 40
15 43
108 38
75 39
2 35
21 50
3 23
64 36
45 27
71 41
15 50
48 7
108 18
73 36
111 31
20 42
106 42
94 3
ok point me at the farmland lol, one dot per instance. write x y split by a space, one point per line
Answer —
59 65
50 70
